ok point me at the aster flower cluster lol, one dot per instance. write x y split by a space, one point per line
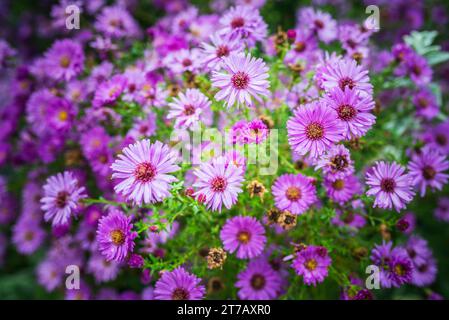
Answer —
209 153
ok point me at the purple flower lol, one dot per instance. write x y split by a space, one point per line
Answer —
27 236
345 73
246 235
342 190
135 261
116 22
102 269
255 131
109 91
425 103
295 193
419 70
391 186
183 60
313 129
83 293
178 285
60 114
245 78
336 163
61 196
143 170
49 274
395 266
114 236
407 223
143 128
245 23
219 48
442 210
320 23
188 109
258 281
64 60
427 170
437 137
220 182
312 264
352 110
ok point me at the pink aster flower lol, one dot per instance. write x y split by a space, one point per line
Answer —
115 236
143 170
426 103
345 73
243 22
294 193
178 285
64 60
321 23
353 110
61 196
220 182
259 281
336 163
244 235
313 129
342 190
427 170
183 60
391 186
116 22
187 109
255 131
109 91
219 48
312 263
245 78
143 128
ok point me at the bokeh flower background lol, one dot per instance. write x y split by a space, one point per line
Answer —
349 97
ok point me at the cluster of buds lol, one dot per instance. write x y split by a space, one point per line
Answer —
285 218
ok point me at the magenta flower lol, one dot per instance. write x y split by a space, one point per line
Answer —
245 23
116 22
245 78
342 190
183 60
64 60
321 23
353 110
143 172
391 186
258 281
427 170
187 109
426 104
244 235
336 163
255 131
313 129
345 73
219 48
27 236
109 91
143 128
312 264
437 137
115 236
442 210
178 285
61 196
220 182
295 193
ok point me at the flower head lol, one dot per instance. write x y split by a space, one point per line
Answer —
294 193
143 172
391 186
245 77
312 264
342 190
61 196
427 170
219 48
64 60
336 163
313 129
220 182
244 235
259 281
188 109
178 285
115 236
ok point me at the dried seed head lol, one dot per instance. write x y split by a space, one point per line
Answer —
214 285
216 258
267 120
73 157
273 216
287 220
256 188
